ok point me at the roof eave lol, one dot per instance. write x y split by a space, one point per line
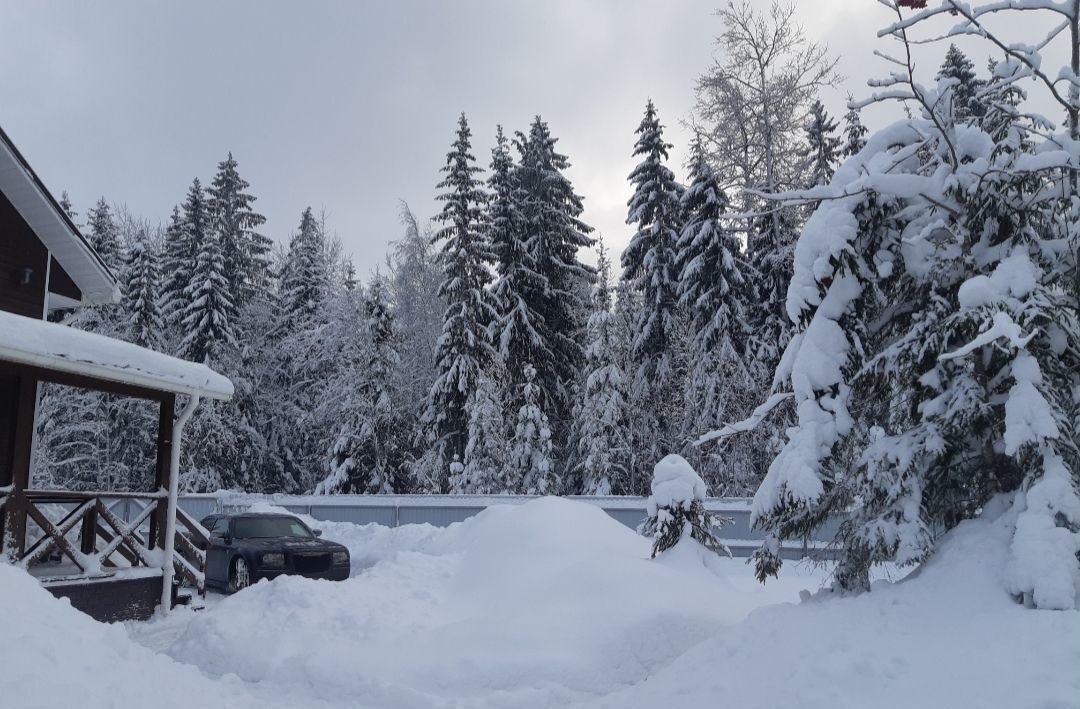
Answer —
104 289
97 371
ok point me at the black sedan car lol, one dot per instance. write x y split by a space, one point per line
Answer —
246 547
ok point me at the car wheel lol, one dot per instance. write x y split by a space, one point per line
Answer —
240 578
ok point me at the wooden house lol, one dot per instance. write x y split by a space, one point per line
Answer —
75 542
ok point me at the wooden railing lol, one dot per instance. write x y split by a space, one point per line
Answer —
98 541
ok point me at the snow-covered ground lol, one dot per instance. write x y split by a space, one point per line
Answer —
553 603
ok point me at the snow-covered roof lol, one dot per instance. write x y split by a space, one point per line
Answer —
53 226
61 348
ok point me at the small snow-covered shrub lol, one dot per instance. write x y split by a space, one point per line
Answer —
677 507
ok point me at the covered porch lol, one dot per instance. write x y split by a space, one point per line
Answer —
115 555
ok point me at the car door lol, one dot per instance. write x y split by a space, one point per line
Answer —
217 553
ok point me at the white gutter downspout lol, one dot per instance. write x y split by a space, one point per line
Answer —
170 513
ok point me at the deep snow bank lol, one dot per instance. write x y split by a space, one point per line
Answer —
947 636
54 656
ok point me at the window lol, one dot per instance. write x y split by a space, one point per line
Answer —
261 527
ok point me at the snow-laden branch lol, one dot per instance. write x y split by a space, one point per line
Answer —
747 424
1003 327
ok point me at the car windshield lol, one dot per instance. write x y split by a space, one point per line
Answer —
258 527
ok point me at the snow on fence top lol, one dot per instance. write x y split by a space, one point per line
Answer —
61 348
613 502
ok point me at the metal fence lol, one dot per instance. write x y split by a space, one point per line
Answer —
444 510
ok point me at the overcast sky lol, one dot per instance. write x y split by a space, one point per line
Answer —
351 106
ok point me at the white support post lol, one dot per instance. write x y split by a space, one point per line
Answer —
170 512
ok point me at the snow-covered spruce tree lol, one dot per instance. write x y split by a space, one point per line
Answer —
483 468
854 131
246 252
955 286
650 266
103 233
305 273
465 350
964 85
676 507
770 250
601 431
713 289
69 209
178 261
624 331
822 146
142 276
530 462
545 287
502 218
519 288
209 315
309 326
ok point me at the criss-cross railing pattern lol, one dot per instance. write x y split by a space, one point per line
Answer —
97 540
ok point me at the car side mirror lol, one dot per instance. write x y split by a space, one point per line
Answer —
318 532
227 539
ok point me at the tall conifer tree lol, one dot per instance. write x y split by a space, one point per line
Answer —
465 349
209 316
822 146
960 70
543 282
69 209
854 132
601 419
178 261
305 275
649 265
714 290
246 252
104 235
141 298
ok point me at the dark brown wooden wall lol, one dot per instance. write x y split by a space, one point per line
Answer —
114 600
20 249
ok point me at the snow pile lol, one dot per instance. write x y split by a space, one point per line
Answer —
55 656
551 602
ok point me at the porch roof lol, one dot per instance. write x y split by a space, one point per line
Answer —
60 348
